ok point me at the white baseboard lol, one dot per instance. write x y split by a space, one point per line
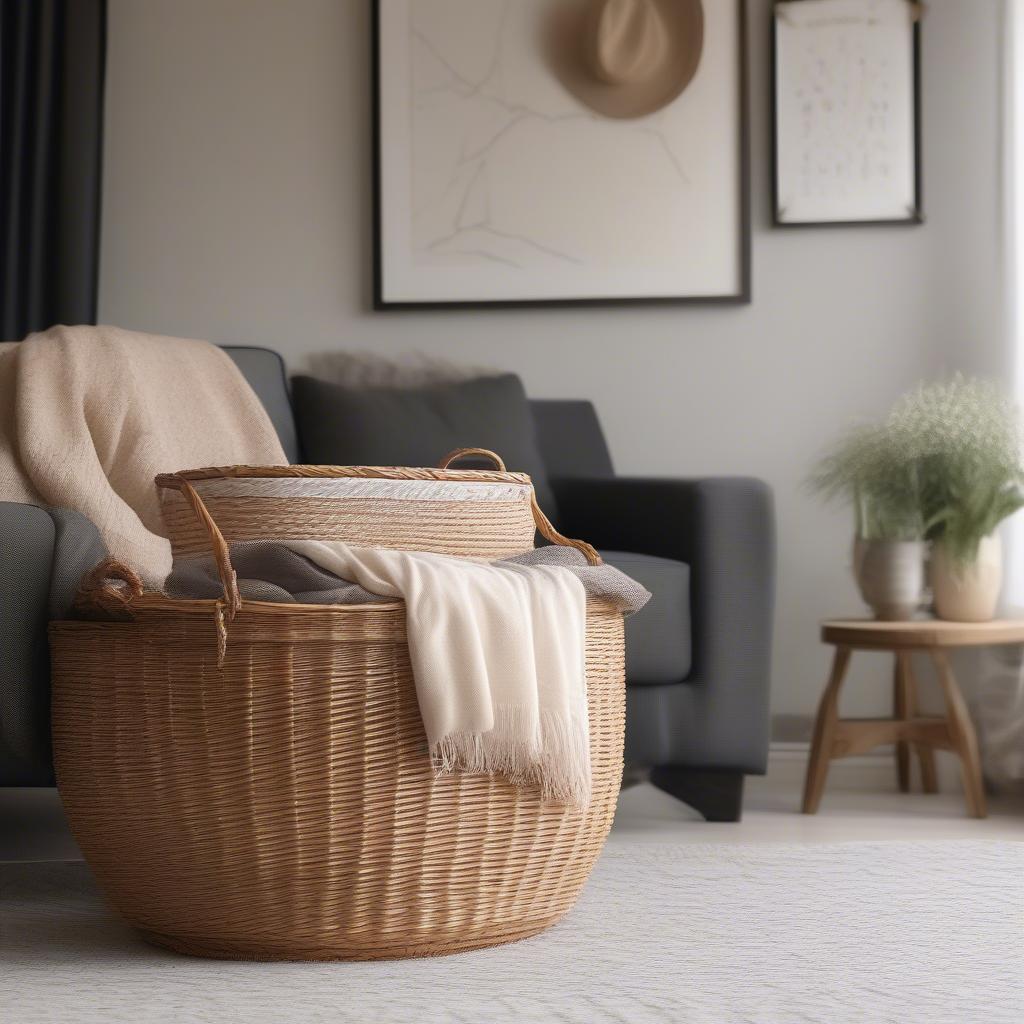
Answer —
874 772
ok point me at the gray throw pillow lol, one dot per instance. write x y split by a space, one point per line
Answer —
341 426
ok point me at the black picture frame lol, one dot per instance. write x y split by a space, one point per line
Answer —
740 297
913 218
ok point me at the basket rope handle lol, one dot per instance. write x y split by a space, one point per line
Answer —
544 526
473 453
100 589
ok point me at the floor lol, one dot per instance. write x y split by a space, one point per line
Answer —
882 907
32 824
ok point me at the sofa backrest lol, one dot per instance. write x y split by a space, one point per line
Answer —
569 434
264 370
570 438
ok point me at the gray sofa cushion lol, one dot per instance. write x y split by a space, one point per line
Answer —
658 646
43 555
417 427
77 549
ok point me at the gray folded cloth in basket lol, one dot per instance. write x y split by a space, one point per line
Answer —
269 571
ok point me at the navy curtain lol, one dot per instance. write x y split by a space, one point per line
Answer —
51 119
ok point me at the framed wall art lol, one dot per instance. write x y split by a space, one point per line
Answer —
847 112
530 152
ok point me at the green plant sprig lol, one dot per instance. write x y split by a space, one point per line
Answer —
944 465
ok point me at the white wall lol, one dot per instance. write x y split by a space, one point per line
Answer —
237 208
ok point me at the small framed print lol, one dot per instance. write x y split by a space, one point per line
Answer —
496 184
847 117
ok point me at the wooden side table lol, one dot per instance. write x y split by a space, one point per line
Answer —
835 737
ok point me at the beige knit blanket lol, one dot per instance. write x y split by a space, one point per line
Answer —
498 653
89 415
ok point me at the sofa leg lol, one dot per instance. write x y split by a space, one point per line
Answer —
717 795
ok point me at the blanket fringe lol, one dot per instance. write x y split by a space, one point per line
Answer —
553 753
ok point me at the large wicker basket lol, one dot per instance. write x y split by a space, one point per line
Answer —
262 790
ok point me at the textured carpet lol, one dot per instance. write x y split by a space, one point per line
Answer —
861 932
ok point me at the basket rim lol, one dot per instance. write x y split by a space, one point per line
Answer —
244 472
156 602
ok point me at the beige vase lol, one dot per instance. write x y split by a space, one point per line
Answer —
968 593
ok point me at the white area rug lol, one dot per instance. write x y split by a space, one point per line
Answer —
861 932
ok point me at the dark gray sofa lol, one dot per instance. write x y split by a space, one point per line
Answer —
698 656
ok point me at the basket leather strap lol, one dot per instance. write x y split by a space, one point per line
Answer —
221 552
544 526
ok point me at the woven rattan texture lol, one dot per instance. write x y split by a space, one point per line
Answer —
283 806
484 529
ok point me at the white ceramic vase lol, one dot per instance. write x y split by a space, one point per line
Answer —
890 576
968 593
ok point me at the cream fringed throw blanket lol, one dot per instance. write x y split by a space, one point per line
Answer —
498 653
89 415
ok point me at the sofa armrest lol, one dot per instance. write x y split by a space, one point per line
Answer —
724 529
27 539
43 555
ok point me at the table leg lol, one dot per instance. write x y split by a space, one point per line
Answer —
965 740
901 710
824 732
925 754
